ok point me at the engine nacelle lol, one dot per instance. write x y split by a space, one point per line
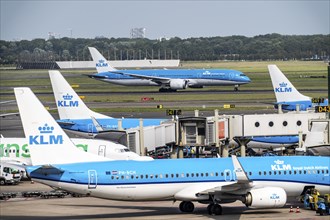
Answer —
178 84
267 197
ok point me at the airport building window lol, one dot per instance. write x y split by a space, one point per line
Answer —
299 123
257 124
271 124
285 123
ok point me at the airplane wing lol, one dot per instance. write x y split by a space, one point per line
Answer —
241 185
65 123
156 79
9 114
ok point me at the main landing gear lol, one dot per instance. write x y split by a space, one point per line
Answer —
186 206
212 208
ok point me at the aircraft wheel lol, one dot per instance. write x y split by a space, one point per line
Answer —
216 209
209 208
186 206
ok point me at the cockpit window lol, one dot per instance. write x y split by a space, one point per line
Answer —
242 74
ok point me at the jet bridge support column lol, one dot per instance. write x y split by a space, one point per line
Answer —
141 132
120 124
242 142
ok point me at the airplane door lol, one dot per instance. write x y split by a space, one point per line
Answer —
92 179
227 175
101 151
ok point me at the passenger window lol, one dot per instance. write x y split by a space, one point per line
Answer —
197 174
192 175
187 174
172 175
265 173
216 174
259 173
270 172
141 176
202 174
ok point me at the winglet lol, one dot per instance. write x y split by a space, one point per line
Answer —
69 104
239 171
48 143
101 64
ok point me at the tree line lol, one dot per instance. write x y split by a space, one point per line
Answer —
261 47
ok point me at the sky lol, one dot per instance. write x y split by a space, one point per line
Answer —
27 20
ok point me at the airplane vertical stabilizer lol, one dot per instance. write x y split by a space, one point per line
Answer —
284 90
69 104
47 142
101 64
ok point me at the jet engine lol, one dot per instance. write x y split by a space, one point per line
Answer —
178 84
267 197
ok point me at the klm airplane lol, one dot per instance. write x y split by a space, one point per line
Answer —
287 95
166 79
262 182
77 118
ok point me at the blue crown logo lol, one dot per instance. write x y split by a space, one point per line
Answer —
283 84
46 129
67 97
101 61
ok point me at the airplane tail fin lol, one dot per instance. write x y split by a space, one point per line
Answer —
48 143
102 65
284 90
69 104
